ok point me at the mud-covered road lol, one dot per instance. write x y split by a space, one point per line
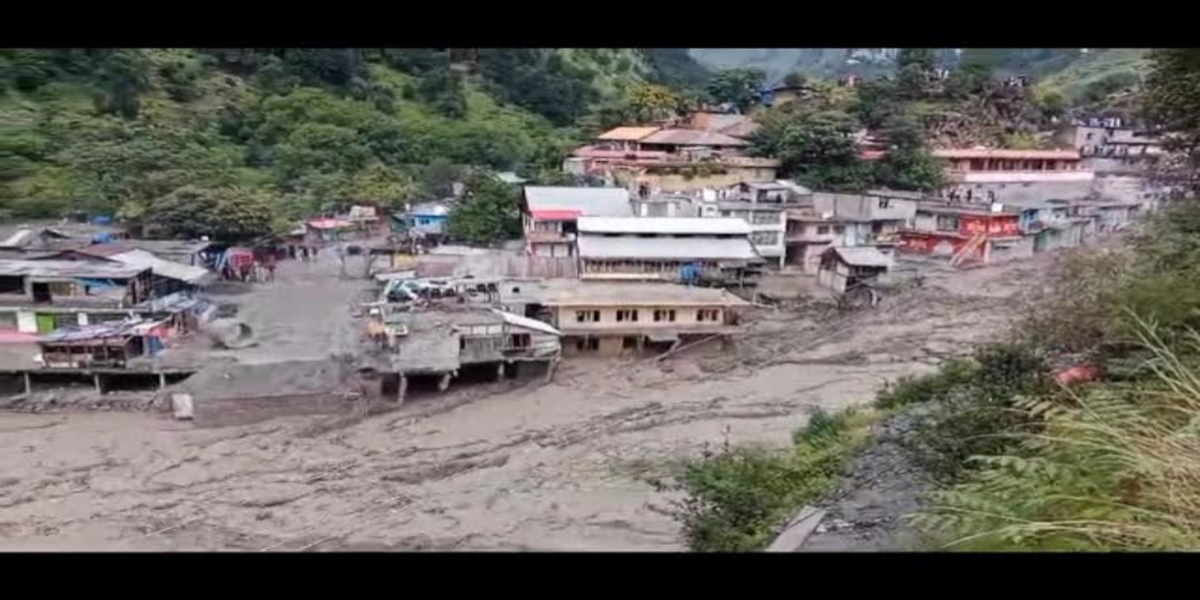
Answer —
559 466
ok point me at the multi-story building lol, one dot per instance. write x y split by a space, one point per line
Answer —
665 248
648 159
986 176
613 318
845 220
989 234
550 215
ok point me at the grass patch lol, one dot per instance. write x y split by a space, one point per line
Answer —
738 498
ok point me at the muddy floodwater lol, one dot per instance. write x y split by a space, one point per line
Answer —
566 465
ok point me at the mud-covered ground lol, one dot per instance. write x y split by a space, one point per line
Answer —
529 465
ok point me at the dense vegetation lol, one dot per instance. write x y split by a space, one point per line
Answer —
158 136
1026 463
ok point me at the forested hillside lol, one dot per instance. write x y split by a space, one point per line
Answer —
276 133
1034 62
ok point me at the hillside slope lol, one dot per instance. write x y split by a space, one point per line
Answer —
1071 68
116 129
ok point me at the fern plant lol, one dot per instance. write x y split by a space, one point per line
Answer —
1116 467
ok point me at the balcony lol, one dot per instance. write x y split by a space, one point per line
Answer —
549 237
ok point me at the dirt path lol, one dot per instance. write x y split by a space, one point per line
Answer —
560 466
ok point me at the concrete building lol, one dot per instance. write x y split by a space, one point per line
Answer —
809 235
607 318
444 342
712 249
845 220
958 232
550 215
985 176
657 158
425 219
1112 145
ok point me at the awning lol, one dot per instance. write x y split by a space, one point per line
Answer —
663 337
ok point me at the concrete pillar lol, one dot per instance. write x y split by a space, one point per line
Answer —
444 382
162 381
401 389
500 372
28 384
96 380
550 369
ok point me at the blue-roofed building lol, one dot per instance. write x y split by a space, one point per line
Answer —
427 218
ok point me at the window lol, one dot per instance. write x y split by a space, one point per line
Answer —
627 315
710 315
947 223
12 285
587 344
822 230
839 229
764 238
629 342
664 314
587 316
885 203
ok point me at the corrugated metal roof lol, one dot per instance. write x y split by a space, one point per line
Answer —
68 269
591 202
698 248
999 153
861 256
430 209
665 225
692 137
164 268
627 134
527 323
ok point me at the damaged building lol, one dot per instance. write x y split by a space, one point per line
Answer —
444 342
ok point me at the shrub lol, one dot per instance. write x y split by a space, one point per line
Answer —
737 498
969 405
1119 468
926 388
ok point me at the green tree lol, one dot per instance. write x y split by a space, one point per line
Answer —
969 79
1053 103
908 164
488 213
125 76
875 102
226 214
912 69
795 79
1171 97
648 103
443 89
739 87
816 148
